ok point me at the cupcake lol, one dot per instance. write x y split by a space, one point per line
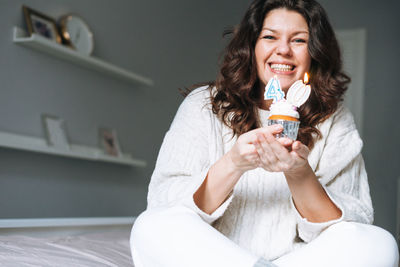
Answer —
283 113
284 110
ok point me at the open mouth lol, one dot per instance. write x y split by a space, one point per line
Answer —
282 67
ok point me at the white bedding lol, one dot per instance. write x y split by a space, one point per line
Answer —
101 248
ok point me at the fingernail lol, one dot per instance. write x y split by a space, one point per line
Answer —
278 126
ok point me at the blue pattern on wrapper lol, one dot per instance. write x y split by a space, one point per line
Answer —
290 128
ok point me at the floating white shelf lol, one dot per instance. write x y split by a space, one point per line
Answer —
45 45
36 144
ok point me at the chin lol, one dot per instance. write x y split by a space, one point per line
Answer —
285 86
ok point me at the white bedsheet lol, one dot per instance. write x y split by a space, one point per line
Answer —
109 248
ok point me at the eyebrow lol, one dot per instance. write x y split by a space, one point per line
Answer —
274 31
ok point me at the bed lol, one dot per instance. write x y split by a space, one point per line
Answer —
65 242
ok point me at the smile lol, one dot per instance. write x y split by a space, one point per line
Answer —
282 67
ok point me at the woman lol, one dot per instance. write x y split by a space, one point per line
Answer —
271 202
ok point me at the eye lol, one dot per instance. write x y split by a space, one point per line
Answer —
268 37
299 40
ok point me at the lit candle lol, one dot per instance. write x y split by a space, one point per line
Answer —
305 79
284 111
299 92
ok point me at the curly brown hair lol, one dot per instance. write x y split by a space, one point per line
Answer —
236 92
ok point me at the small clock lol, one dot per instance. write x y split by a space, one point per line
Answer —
77 34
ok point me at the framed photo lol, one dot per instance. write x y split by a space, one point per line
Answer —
56 131
109 142
41 24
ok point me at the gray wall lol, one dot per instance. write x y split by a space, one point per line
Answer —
382 92
176 43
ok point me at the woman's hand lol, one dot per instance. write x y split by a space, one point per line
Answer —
281 155
226 172
244 154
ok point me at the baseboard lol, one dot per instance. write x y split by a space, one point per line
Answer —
65 222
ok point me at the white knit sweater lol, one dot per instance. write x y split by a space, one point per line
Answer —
259 215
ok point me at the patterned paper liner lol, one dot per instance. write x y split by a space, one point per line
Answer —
290 128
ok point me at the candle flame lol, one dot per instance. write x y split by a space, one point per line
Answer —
306 78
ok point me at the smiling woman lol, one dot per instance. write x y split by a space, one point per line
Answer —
227 192
239 76
282 48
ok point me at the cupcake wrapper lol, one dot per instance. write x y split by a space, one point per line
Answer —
290 128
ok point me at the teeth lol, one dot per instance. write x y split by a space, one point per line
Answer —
281 67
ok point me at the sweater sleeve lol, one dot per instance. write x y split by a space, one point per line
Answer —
342 173
183 160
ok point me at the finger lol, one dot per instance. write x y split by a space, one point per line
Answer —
286 142
242 152
254 160
257 161
247 138
262 154
276 128
248 150
269 155
280 152
246 156
301 149
273 129
258 149
267 149
251 136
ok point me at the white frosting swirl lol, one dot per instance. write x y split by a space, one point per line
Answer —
283 107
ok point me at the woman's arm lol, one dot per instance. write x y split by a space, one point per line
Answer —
338 187
220 181
184 162
308 195
226 172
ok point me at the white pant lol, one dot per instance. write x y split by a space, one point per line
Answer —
178 237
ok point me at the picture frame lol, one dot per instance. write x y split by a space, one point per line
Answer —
41 24
55 131
109 142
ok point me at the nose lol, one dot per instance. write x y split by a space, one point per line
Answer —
283 48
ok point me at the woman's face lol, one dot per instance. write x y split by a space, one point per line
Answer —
282 48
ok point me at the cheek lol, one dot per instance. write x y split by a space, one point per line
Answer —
261 52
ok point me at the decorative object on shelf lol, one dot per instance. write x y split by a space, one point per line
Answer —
77 34
39 145
46 46
41 24
109 142
56 133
